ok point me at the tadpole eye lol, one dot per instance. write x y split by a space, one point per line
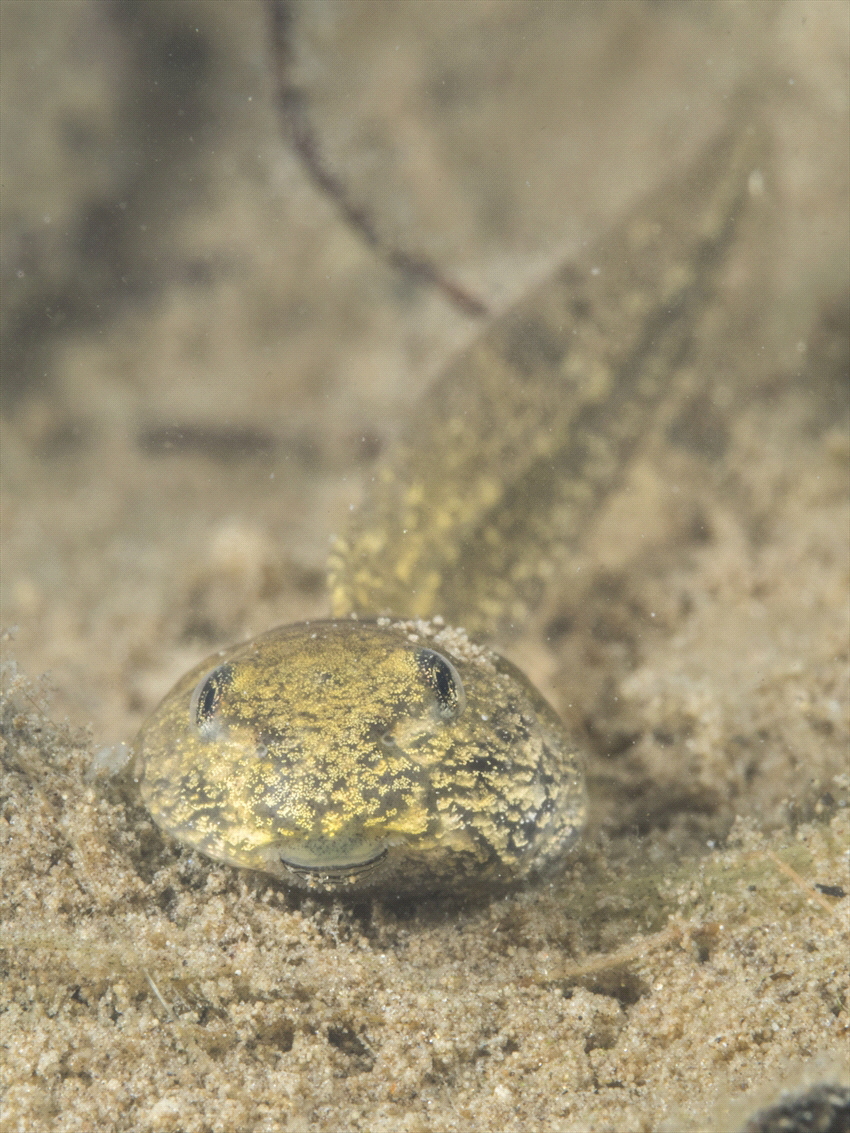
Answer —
207 697
445 680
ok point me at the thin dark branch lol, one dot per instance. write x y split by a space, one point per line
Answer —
292 105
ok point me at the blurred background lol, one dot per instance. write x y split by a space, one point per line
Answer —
201 362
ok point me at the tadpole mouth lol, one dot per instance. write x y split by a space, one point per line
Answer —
334 869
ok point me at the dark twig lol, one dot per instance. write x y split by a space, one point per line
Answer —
292 104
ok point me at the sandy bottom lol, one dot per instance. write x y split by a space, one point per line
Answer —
201 366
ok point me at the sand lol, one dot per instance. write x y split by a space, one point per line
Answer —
201 365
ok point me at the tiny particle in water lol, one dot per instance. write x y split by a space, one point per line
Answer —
831 890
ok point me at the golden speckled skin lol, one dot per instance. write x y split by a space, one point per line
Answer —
339 755
342 753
